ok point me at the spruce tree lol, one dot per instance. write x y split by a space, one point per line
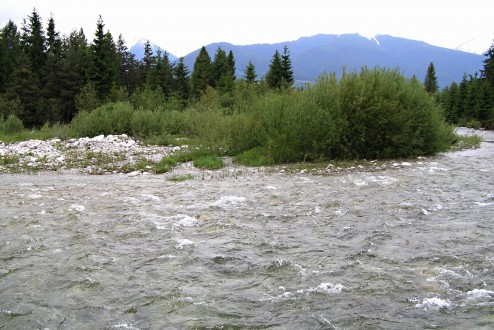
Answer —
430 82
50 104
127 66
274 77
181 82
147 61
103 71
164 74
488 71
286 68
231 65
33 42
219 67
23 87
53 40
250 74
9 51
201 75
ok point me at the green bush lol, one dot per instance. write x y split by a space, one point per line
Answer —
145 123
110 118
165 165
254 157
208 161
377 113
12 125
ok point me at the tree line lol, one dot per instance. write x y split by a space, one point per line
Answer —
469 102
49 78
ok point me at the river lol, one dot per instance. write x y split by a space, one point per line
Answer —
410 247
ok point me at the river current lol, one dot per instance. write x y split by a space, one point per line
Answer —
410 247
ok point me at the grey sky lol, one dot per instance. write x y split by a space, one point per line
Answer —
181 26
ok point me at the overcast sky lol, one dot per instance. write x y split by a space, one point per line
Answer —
182 26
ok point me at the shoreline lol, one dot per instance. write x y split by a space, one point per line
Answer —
123 155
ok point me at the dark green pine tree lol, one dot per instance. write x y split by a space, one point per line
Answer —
286 68
147 61
127 67
274 76
103 69
53 40
201 75
156 74
181 82
33 42
219 67
230 76
430 82
9 51
231 65
50 104
250 74
23 87
488 71
164 74
71 75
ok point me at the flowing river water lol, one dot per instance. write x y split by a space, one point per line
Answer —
410 247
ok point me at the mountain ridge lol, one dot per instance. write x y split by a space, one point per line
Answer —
311 56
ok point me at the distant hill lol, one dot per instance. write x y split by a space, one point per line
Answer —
138 50
312 56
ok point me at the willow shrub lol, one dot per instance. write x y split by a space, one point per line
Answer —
385 115
377 113
110 118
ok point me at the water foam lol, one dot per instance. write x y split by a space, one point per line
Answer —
183 220
77 208
480 293
229 200
328 288
434 303
183 242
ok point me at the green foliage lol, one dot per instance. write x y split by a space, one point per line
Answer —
201 76
165 165
430 83
209 161
250 74
255 157
87 99
12 125
462 142
180 178
111 118
274 76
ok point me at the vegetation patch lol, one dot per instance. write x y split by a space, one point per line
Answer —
180 178
165 165
254 157
462 142
208 161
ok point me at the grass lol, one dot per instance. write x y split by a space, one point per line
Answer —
254 157
463 142
208 161
180 178
202 159
165 165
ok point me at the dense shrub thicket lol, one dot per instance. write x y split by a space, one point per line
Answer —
374 113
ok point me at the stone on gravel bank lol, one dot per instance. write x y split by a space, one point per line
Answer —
97 155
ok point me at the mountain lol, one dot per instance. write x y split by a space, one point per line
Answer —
138 50
312 56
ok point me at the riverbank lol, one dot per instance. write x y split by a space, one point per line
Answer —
121 154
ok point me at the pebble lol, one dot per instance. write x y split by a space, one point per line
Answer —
57 154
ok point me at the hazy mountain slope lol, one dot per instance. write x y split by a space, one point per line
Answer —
311 56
